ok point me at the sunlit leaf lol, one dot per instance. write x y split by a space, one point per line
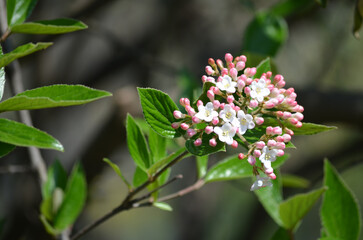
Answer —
19 10
163 206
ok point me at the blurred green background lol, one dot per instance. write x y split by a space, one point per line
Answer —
165 44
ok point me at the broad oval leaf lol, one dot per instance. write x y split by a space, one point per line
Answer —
52 96
137 144
263 67
295 208
19 10
204 148
158 110
19 134
5 149
74 199
22 51
56 26
339 211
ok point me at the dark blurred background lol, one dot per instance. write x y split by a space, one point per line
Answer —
165 45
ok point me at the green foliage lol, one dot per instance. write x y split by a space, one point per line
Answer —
204 148
161 163
19 10
290 7
19 134
56 26
137 144
117 170
5 149
202 166
294 181
339 212
157 146
52 96
158 110
2 76
294 209
358 18
163 206
263 67
22 51
265 34
281 234
139 177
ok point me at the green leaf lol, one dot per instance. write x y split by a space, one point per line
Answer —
295 208
157 145
290 7
202 166
74 199
358 18
164 177
56 26
56 178
281 234
339 212
117 170
263 67
139 177
19 134
163 206
48 227
19 10
270 198
204 148
137 144
5 149
2 76
22 51
158 110
234 168
158 165
52 96
294 181
265 34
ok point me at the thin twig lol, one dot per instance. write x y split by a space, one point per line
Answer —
197 185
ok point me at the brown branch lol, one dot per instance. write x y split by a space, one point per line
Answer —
197 185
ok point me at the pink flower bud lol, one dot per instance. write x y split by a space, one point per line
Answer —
298 116
241 156
234 144
301 109
277 130
269 130
281 84
233 73
270 86
268 74
293 96
196 119
230 99
253 103
208 129
182 102
280 145
178 115
249 81
211 61
210 79
286 137
259 120
222 105
228 57
175 125
184 126
257 153
280 98
274 92
289 131
216 104
289 91
216 91
186 101
240 65
230 65
298 124
209 70
191 132
269 104
279 114
272 176
236 108
286 115
199 103
247 91
215 121
198 142
269 171
212 142
240 85
210 95
293 121
249 72
204 78
278 78
279 139
224 71
271 143
243 58
220 64
280 153
260 144
251 160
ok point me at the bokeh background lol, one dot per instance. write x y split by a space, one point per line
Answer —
165 44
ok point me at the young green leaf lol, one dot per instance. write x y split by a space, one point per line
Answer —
265 34
164 177
158 165
204 148
294 181
291 7
158 110
19 10
5 149
19 134
281 234
339 211
52 96
56 26
270 198
163 206
56 178
139 177
74 199
2 77
294 209
263 67
234 168
48 227
202 166
157 145
137 144
117 170
22 51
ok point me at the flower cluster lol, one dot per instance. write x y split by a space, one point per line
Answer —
238 103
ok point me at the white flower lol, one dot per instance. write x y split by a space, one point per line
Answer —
225 133
227 84
268 156
259 90
243 122
228 114
260 183
206 112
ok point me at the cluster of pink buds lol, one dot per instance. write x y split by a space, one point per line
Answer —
237 103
